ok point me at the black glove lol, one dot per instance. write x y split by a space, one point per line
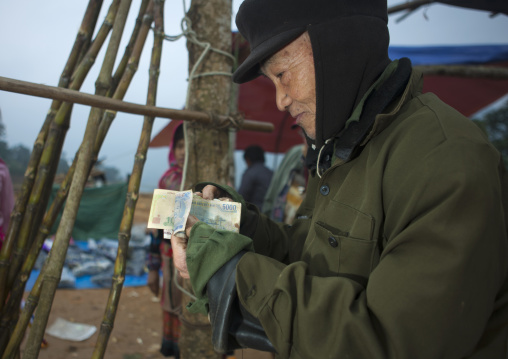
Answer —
233 327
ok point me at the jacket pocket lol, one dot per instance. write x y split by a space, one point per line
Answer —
343 238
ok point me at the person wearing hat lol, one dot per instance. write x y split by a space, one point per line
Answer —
400 248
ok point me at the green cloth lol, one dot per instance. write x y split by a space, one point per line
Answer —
99 214
207 251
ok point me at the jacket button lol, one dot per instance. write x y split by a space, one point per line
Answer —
333 242
324 190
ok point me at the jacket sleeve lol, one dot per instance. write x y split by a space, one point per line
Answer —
434 289
276 240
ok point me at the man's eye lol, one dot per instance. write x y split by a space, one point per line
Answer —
280 74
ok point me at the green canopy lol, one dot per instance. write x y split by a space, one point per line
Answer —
99 214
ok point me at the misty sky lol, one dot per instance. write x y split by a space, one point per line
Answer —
36 38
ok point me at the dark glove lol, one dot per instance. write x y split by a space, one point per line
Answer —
233 327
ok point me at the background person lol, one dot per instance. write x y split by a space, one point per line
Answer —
287 187
161 254
6 199
256 178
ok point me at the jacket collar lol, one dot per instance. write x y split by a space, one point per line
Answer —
384 96
413 88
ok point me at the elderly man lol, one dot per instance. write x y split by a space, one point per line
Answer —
400 247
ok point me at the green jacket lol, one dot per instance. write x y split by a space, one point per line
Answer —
401 252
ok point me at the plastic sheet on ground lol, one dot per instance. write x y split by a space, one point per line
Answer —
90 264
63 329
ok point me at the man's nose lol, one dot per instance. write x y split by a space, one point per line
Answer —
282 99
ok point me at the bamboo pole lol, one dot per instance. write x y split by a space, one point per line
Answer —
81 42
28 88
55 261
467 71
52 149
133 190
126 79
56 205
409 5
54 210
130 46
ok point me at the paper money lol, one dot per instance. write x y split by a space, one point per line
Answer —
170 210
183 204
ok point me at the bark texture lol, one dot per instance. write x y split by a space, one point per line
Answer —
207 146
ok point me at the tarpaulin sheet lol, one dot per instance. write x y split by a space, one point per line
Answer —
136 278
85 281
100 212
450 55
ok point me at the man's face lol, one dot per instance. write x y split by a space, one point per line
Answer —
292 72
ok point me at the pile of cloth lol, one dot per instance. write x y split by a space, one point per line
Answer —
90 263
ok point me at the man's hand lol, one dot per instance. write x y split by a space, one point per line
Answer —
153 282
211 192
179 246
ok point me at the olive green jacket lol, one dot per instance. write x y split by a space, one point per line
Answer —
401 252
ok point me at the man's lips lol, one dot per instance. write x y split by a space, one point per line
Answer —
298 117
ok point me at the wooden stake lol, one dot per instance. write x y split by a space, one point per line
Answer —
30 88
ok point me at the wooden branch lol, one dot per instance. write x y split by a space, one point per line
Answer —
411 5
62 94
470 71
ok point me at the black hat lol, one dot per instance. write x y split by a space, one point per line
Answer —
269 25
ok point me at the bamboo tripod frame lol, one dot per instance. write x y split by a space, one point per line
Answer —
104 105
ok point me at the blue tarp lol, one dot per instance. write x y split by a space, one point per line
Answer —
85 281
135 276
448 55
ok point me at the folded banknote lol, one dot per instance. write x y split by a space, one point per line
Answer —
170 210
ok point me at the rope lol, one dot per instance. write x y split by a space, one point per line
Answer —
319 157
182 289
190 34
235 121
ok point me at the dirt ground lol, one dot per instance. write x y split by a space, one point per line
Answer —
138 323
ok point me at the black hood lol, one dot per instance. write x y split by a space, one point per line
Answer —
349 55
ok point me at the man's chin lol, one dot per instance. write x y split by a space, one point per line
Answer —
311 137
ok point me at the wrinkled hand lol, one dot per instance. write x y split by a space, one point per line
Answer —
179 246
153 282
211 192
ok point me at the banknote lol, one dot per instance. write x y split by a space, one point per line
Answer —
183 204
170 210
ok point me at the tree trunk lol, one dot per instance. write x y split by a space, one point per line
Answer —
207 146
